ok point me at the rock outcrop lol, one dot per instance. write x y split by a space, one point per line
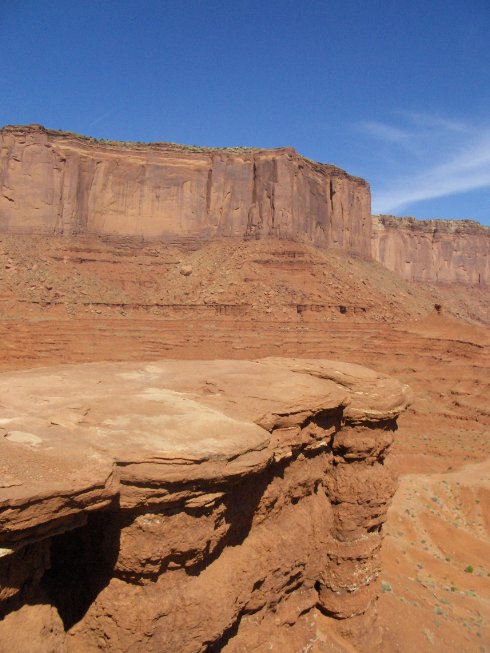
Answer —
158 507
61 183
433 251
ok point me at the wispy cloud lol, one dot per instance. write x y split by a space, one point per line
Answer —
465 171
103 116
384 131
444 157
428 120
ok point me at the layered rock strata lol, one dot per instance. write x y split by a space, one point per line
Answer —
433 251
157 507
61 183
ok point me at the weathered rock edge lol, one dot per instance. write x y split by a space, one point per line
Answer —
156 506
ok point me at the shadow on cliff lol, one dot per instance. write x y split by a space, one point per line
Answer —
82 564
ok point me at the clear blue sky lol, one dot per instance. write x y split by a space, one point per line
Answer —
397 92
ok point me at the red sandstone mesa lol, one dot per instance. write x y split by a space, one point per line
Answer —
434 251
60 183
55 182
156 507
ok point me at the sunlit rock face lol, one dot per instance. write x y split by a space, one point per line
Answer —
62 184
57 182
158 506
434 251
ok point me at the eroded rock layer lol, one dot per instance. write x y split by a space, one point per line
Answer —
56 182
157 507
434 251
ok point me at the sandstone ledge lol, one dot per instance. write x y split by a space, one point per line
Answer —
131 494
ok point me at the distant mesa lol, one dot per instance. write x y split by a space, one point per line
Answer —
433 251
60 183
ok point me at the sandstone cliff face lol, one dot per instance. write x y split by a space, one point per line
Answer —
434 251
63 184
172 502
56 182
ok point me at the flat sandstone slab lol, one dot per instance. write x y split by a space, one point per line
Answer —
73 438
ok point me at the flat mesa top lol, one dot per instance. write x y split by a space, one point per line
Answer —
65 138
67 426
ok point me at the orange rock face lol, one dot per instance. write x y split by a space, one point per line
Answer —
60 183
434 251
171 501
54 182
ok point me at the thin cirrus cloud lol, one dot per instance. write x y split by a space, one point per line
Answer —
383 131
101 117
421 119
441 156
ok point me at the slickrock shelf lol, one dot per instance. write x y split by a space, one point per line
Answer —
157 506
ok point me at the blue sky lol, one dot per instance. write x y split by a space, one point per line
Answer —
396 92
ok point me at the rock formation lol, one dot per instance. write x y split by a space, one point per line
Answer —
434 251
157 507
60 183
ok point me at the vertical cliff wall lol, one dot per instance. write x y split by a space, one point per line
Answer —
63 184
434 251
60 183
